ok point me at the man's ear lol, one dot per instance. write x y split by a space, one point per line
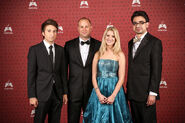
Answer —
43 34
147 24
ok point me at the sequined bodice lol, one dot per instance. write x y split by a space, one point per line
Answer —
107 68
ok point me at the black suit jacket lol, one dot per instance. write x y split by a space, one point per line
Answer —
80 77
144 70
41 72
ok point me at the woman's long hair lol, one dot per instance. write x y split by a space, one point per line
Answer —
116 48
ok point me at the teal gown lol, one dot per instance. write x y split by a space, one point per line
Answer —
118 112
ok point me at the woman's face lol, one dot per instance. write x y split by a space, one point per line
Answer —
110 38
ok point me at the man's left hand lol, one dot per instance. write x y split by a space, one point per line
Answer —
65 99
151 100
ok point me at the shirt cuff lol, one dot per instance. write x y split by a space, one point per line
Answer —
153 93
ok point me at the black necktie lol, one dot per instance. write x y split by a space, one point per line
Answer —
51 53
85 42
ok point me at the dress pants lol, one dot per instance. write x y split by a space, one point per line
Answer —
141 113
52 107
74 108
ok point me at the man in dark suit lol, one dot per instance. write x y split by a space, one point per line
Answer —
79 55
144 70
47 76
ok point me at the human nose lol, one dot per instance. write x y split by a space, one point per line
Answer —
138 24
84 29
52 33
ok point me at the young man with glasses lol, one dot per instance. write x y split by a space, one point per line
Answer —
144 70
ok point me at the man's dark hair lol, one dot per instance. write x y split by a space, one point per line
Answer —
49 22
140 13
84 18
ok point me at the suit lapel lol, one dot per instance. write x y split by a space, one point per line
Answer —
45 52
130 49
43 47
90 54
143 43
77 51
56 56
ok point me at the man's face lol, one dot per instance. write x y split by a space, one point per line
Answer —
50 33
140 25
84 28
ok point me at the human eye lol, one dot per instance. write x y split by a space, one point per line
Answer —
134 23
54 31
141 22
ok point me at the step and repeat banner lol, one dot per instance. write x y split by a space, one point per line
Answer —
20 27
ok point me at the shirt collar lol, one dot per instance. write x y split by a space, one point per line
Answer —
83 40
141 38
47 44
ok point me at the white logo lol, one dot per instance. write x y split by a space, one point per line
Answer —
163 84
33 5
84 4
8 85
8 30
162 27
60 29
110 25
136 3
32 113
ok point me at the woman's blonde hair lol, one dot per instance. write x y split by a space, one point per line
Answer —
116 48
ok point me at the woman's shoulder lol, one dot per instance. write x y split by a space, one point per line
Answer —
121 55
96 55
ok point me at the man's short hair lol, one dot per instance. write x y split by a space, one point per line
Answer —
49 22
140 13
84 18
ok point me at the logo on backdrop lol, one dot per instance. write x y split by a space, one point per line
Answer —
8 30
162 27
32 5
110 25
60 29
136 3
8 85
163 84
32 113
84 4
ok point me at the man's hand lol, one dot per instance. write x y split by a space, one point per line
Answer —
65 99
33 102
151 100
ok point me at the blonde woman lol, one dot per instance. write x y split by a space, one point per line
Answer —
107 103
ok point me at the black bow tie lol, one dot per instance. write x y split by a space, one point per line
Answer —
85 42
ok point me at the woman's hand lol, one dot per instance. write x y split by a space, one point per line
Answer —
102 99
110 99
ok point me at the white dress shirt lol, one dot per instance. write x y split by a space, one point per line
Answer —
47 45
136 44
134 49
84 51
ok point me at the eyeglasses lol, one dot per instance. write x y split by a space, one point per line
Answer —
140 23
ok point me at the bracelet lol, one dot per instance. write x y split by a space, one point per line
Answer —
96 88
